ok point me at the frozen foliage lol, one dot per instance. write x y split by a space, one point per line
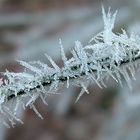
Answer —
107 55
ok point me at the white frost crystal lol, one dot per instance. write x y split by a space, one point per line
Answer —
107 54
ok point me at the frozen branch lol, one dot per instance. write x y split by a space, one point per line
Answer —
108 54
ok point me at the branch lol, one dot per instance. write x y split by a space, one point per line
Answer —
107 54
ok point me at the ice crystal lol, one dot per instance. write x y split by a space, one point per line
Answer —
108 54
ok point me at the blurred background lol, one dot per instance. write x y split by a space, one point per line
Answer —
30 28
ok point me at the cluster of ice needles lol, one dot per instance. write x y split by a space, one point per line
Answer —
107 55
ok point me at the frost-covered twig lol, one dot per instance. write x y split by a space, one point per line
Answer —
104 56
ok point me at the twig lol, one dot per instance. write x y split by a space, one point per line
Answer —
92 63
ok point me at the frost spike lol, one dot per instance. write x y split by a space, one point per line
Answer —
102 82
12 115
119 78
43 99
36 111
83 90
108 25
52 62
32 100
30 67
126 77
110 73
16 106
132 71
62 52
94 38
95 80
67 81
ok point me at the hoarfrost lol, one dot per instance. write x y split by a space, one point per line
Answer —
107 54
